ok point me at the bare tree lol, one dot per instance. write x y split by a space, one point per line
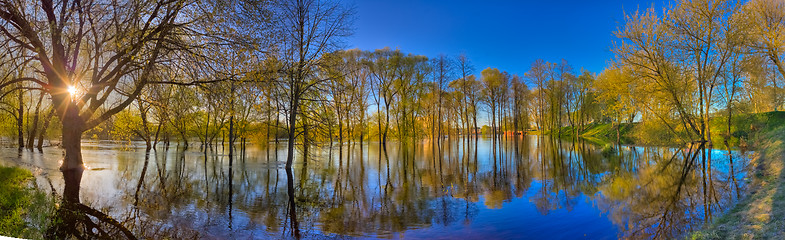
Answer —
306 30
465 68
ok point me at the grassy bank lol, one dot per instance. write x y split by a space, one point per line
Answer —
24 210
601 133
744 129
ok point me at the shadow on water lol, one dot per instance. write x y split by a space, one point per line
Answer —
495 188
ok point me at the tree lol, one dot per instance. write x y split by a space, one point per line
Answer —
465 68
442 73
520 96
492 81
646 51
764 22
412 71
681 54
101 51
583 101
616 88
307 29
561 80
474 97
538 74
700 29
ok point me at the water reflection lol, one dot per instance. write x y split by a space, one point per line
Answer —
529 186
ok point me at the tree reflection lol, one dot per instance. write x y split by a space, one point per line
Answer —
662 199
376 191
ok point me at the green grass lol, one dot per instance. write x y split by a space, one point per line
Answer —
24 210
743 128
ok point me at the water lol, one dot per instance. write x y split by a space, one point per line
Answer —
536 188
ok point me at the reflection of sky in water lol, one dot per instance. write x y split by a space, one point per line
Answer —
535 189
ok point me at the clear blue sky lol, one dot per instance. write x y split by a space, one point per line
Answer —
508 35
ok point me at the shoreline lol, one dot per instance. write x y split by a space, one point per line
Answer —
760 212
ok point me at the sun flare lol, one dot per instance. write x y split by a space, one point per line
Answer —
72 91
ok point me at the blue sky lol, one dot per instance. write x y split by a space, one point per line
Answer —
508 35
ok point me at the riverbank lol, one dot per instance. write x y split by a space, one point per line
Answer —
26 211
744 129
761 213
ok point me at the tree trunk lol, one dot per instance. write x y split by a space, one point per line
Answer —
295 227
34 126
184 137
72 166
493 121
305 141
362 128
277 123
340 128
708 128
157 131
294 104
20 121
231 140
618 134
145 128
206 132
379 118
42 133
386 125
439 118
474 131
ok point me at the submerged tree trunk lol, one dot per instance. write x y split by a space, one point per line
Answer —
231 140
145 127
306 142
72 166
386 125
34 127
474 131
19 121
157 131
42 133
295 226
293 105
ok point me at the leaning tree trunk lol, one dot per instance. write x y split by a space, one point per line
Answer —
34 126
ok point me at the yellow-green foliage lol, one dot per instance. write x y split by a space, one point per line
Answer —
126 123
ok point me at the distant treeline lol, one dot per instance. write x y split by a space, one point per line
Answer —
673 70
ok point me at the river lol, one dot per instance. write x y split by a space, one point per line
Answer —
524 187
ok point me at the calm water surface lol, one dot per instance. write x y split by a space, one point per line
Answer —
530 187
